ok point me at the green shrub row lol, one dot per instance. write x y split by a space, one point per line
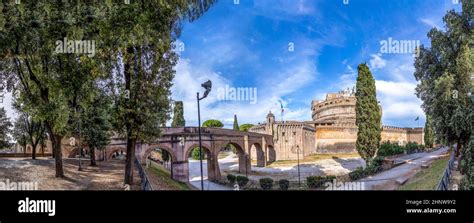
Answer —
318 181
373 167
241 180
392 148
265 183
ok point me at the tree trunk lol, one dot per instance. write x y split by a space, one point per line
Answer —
57 153
130 159
129 119
58 156
24 148
458 148
33 152
93 161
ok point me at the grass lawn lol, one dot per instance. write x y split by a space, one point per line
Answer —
312 158
162 177
427 179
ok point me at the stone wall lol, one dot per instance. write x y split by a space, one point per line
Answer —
289 137
330 139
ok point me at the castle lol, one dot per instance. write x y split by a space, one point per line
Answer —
331 130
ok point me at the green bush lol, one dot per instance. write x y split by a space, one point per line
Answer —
266 183
372 169
318 181
195 154
357 174
231 178
284 184
378 161
374 166
388 149
242 180
412 147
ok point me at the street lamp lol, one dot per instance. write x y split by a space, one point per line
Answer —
207 86
80 140
80 143
298 157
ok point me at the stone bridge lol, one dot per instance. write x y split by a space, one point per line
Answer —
179 142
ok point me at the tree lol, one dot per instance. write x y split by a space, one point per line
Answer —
236 125
212 123
195 154
178 116
140 51
95 125
5 126
28 131
245 127
41 77
368 115
51 84
19 133
443 72
429 134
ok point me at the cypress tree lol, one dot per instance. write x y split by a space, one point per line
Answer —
368 115
429 134
236 124
178 117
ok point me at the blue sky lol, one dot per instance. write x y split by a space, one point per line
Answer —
247 45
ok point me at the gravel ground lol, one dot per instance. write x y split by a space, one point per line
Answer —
335 167
105 176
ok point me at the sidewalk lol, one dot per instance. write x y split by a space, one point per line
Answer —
386 180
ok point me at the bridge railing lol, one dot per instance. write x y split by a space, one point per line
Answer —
444 183
145 183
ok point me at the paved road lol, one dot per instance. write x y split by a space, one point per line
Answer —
195 176
386 180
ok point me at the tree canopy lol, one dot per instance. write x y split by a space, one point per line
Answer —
212 123
444 72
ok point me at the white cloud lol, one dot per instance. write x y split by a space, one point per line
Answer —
431 23
188 81
377 62
398 101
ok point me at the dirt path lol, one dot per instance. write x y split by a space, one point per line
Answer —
106 176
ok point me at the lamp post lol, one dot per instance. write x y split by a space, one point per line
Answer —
80 142
298 157
247 159
207 86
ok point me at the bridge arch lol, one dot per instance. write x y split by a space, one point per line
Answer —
153 147
271 154
257 153
213 172
111 151
73 152
243 161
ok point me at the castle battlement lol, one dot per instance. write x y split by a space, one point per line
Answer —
332 129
